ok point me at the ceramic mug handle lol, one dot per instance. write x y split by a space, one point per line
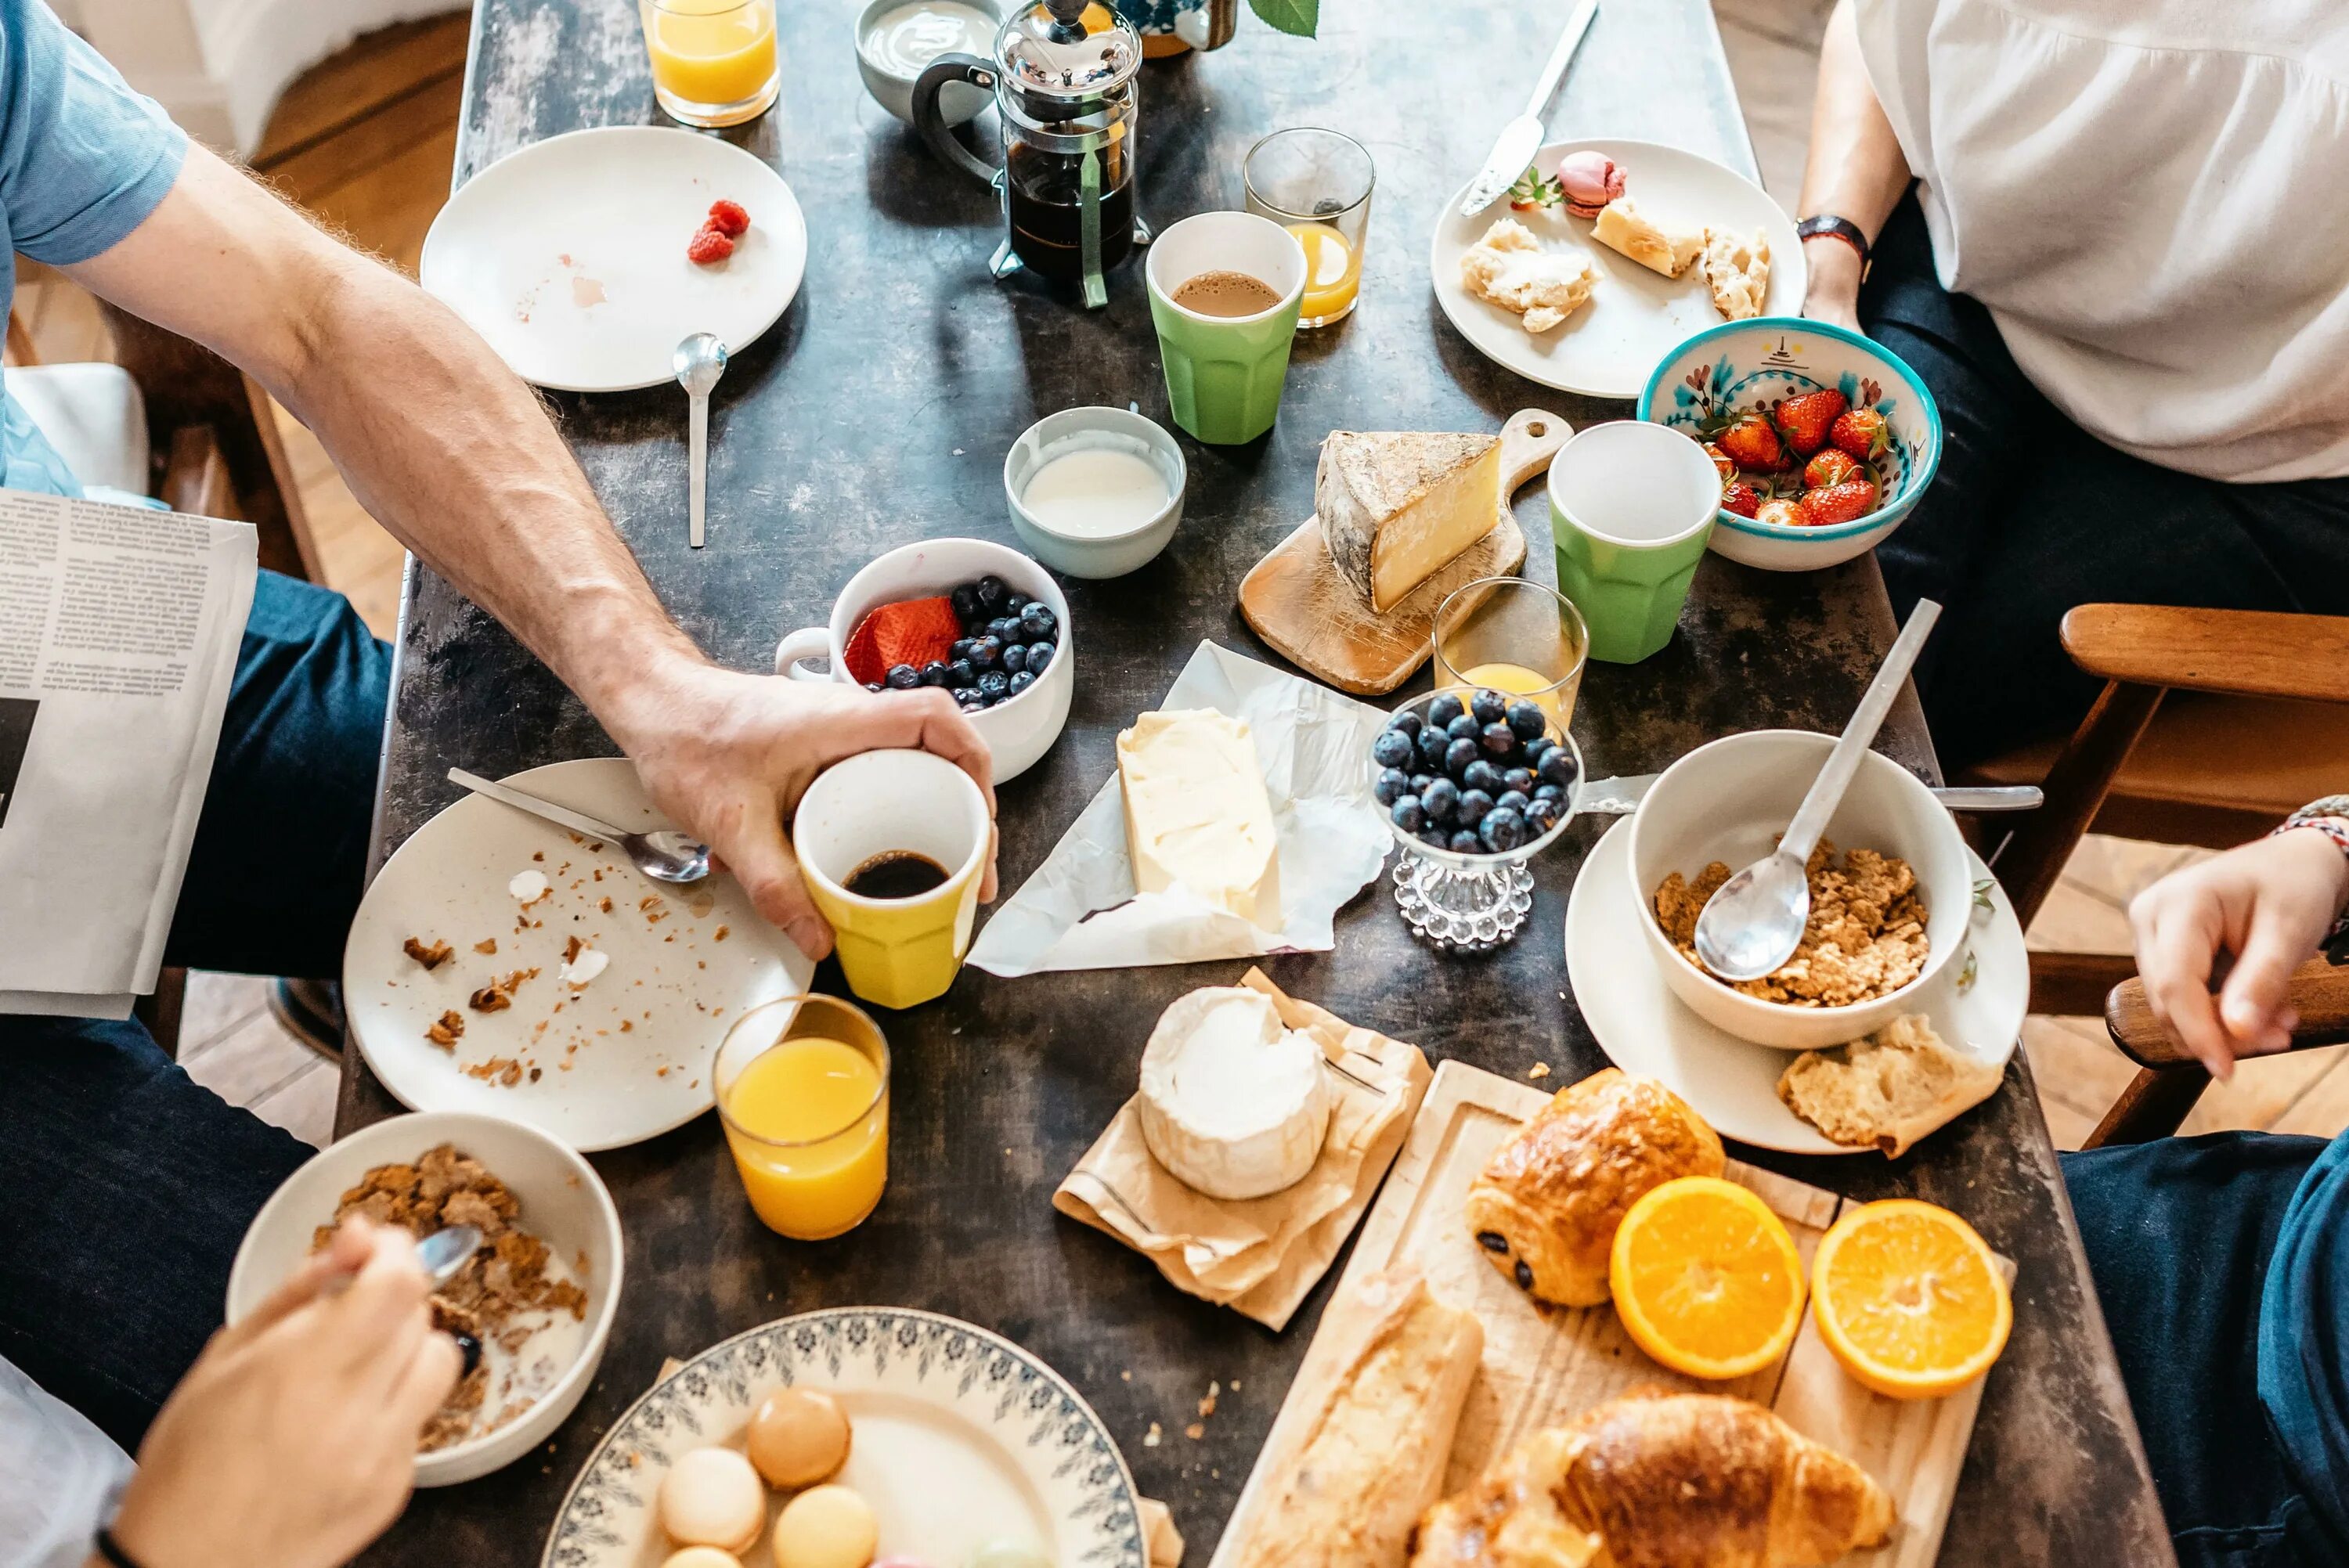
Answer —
807 643
933 82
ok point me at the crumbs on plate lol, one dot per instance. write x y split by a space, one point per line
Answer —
1865 939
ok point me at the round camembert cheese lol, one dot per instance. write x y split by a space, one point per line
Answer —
1233 1104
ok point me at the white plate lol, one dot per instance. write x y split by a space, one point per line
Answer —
1733 1083
1607 348
569 256
958 1438
673 982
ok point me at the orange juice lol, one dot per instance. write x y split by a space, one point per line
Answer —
809 1123
1519 681
713 60
1333 274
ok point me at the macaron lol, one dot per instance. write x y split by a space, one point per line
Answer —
701 1557
826 1527
711 1496
798 1438
1006 1552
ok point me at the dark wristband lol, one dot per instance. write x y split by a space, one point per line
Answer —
1843 229
111 1550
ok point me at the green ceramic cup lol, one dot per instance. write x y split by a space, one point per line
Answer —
1631 506
1224 374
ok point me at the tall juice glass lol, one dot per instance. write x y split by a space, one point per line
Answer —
1317 184
1513 637
714 61
803 1094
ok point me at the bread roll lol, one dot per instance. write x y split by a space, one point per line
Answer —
1546 1208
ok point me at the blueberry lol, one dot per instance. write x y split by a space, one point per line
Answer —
986 654
992 591
1390 783
1543 813
1527 718
1408 813
1557 766
1521 780
968 699
1015 601
1433 743
1419 783
1465 842
1481 775
1463 728
965 600
961 674
1474 804
960 650
1550 792
1501 829
1535 747
1435 838
934 673
1015 659
1039 655
1488 705
1442 797
1392 748
1499 739
1406 721
993 684
875 685
1038 620
1511 800
469 1349
1444 709
904 677
1020 683
1003 628
1457 756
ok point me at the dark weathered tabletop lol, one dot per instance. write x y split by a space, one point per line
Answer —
877 412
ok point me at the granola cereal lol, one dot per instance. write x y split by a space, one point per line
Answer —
1865 939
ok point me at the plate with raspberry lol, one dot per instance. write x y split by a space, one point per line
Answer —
585 258
1824 438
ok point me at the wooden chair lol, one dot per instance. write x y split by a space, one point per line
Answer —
2170 1081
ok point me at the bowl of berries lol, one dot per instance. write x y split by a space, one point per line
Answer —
1473 784
980 620
1824 439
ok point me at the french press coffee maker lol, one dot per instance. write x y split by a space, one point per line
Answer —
1065 94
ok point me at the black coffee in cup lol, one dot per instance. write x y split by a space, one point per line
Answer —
899 874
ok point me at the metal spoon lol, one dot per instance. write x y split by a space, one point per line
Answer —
444 1251
664 854
698 362
1754 922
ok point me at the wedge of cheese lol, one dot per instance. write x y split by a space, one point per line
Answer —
1234 1104
1621 226
1196 812
1395 507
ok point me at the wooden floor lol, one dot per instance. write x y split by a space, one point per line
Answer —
366 141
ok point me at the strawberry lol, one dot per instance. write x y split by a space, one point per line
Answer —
1854 498
728 218
1831 467
1753 443
1807 417
1740 497
1861 432
1784 513
1720 461
914 632
708 245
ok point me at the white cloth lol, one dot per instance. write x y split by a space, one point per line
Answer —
59 1478
2152 199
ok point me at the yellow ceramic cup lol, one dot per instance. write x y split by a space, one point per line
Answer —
895 952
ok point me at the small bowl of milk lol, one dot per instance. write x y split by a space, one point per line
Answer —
897 39
1094 492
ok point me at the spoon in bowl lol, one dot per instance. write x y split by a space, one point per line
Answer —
1754 922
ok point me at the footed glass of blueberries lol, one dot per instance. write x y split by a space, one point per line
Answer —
1473 784
1008 640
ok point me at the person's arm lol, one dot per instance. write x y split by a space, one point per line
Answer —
446 447
1856 170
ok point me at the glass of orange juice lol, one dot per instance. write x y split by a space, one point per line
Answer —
803 1094
1513 637
714 61
1317 184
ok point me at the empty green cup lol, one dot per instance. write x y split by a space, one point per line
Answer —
1224 374
1631 507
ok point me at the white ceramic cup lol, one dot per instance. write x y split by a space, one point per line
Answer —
1105 554
1018 731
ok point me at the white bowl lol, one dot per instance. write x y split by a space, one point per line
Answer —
1073 430
1018 731
959 102
563 1204
1728 801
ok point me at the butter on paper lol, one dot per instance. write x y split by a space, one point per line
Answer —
1079 910
1260 1256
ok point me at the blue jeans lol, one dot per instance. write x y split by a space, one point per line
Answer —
129 1185
2031 516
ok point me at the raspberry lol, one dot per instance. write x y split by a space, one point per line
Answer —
728 218
708 245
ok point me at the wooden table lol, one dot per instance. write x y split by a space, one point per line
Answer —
877 412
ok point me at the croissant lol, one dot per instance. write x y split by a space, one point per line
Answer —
1547 1203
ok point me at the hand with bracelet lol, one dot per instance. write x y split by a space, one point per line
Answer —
1854 175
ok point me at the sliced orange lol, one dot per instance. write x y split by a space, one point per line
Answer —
1707 1279
1909 1299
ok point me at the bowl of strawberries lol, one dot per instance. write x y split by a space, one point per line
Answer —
1824 438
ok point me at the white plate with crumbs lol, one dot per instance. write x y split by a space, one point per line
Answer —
596 1062
1608 347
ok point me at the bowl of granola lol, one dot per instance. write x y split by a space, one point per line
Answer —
531 1309
1892 888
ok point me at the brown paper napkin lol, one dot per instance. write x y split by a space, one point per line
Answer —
1262 1257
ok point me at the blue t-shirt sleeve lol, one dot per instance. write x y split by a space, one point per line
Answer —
83 159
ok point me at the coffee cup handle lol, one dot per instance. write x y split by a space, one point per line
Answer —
807 643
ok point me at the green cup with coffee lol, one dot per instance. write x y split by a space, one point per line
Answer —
1225 288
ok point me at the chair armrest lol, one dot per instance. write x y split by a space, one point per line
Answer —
2320 990
2240 653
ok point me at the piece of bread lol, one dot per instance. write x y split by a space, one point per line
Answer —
1509 268
1888 1089
1621 226
1546 1207
1358 1450
1737 272
1662 1480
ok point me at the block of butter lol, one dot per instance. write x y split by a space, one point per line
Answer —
1196 812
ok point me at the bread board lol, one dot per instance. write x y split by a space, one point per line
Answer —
1543 1366
1296 600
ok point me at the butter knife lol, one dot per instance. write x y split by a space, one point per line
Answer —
1522 136
1621 797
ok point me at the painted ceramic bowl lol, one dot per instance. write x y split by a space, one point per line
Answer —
1742 365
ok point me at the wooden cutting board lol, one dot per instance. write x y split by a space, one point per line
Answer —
1543 1366
1295 600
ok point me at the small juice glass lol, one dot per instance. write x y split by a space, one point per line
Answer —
1513 637
803 1094
714 61
1317 184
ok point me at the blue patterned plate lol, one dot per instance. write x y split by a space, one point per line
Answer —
960 1437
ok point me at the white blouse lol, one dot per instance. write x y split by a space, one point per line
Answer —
2152 199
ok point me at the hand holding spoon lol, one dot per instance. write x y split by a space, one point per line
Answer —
1754 922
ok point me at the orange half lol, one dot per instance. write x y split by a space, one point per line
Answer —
1909 1299
1707 1279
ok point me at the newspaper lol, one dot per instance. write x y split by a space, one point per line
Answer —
118 634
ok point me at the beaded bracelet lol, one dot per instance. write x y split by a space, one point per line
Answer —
2328 817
